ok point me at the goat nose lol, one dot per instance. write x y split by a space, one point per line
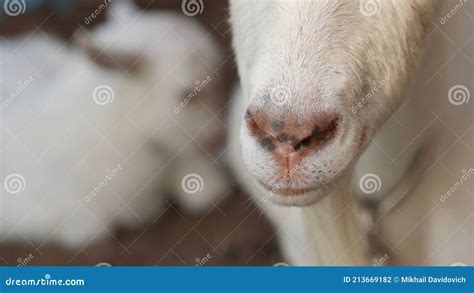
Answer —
291 138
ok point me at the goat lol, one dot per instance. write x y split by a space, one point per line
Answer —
87 147
346 102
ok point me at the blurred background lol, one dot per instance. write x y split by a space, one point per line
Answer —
231 231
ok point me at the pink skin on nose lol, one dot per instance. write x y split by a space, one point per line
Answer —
289 139
287 157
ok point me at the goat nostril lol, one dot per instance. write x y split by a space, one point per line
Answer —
303 143
252 125
286 134
286 138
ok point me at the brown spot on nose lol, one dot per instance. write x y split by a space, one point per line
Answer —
286 138
267 144
278 125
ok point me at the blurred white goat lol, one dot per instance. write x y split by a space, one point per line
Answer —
86 147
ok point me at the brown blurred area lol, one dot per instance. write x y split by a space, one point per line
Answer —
233 232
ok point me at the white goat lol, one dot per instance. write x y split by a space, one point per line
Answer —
337 104
86 148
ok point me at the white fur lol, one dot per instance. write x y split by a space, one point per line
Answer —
330 56
65 145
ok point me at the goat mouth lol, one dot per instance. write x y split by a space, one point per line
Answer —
286 191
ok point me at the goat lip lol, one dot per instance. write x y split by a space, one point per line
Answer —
286 191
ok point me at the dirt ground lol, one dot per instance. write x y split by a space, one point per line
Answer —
233 232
